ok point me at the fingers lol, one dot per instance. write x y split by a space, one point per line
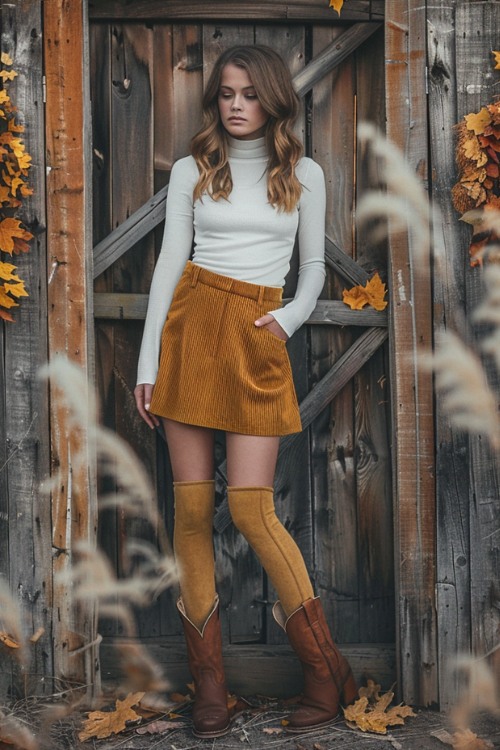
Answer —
272 325
142 395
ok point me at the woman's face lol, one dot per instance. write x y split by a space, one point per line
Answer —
241 112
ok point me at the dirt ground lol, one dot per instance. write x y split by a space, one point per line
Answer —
255 727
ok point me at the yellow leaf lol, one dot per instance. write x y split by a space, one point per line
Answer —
473 151
478 121
5 59
5 638
101 724
372 293
374 717
7 272
17 290
496 55
8 75
4 96
18 147
9 230
337 5
5 300
372 690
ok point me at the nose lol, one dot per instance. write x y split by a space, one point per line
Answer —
236 104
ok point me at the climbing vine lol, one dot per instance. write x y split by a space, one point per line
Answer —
14 165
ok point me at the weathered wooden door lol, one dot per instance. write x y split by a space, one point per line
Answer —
333 487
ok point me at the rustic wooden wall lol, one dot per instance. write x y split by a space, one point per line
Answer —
25 527
461 80
333 486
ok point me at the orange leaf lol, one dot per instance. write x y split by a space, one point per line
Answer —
6 316
465 739
5 638
103 724
17 290
492 170
496 55
478 121
473 151
337 5
6 301
10 229
5 59
8 75
372 293
375 717
7 272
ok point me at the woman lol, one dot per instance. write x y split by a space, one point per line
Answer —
214 350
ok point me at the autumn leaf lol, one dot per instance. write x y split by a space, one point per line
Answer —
5 59
9 230
473 151
371 691
273 730
372 293
478 121
7 272
8 75
101 724
5 638
17 290
5 300
160 726
374 717
6 316
337 5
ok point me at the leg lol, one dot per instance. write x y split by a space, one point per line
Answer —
327 674
191 454
251 463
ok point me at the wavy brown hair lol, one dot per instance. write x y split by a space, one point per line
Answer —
273 85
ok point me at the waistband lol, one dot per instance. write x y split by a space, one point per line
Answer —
257 292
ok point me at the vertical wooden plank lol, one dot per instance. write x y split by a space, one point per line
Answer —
411 327
132 154
332 434
26 526
372 391
452 461
74 512
477 33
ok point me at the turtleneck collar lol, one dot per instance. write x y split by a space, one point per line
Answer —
255 149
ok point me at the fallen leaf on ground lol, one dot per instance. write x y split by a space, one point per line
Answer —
374 717
160 726
101 724
272 730
179 698
371 691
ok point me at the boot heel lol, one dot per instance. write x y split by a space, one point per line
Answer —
349 690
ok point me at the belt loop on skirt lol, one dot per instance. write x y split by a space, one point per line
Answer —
195 274
262 291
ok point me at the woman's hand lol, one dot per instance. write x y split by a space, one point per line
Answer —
272 325
142 395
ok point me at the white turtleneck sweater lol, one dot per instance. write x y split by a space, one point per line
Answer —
243 237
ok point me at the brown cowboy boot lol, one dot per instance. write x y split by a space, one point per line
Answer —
204 648
328 678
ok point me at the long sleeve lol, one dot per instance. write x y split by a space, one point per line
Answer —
175 251
311 235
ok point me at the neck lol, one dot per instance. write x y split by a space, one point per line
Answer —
240 149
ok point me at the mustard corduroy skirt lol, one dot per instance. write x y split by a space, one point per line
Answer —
217 369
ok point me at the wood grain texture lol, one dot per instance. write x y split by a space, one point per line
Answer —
296 10
25 530
450 239
74 513
412 399
477 33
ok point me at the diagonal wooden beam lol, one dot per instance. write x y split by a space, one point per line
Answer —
323 392
333 55
146 218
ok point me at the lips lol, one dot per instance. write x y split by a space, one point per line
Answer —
237 119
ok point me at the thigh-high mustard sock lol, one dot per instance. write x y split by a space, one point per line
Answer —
252 511
193 547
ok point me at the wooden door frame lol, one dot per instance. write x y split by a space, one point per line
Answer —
412 396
